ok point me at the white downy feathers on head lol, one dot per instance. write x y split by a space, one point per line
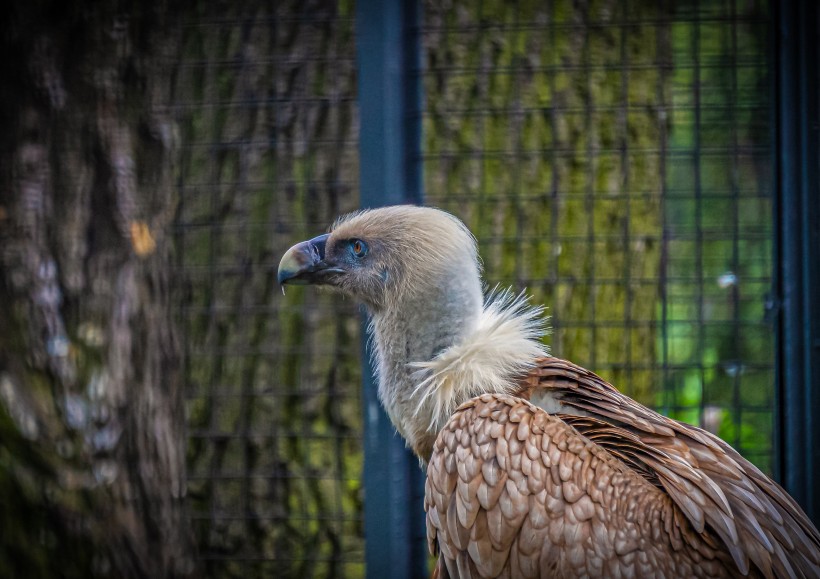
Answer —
504 343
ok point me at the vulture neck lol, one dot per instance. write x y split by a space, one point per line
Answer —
438 348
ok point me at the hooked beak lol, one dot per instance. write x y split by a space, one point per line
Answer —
304 263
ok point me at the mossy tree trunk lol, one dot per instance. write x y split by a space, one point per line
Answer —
267 113
91 426
545 130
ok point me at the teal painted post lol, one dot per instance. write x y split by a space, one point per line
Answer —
388 59
798 251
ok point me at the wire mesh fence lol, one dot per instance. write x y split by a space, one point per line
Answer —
269 139
612 157
615 158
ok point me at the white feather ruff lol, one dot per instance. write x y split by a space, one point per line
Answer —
503 345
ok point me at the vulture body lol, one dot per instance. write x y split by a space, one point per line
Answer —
537 467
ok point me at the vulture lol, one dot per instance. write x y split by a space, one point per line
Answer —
537 467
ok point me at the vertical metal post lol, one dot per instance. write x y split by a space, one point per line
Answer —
798 252
388 57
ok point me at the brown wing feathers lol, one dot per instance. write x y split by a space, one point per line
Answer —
706 478
552 503
605 488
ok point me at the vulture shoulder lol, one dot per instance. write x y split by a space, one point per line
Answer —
598 485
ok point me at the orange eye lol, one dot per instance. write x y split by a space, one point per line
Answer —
359 247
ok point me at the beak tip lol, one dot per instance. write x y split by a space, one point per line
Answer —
290 266
301 262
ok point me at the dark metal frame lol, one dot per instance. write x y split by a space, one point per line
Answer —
797 254
388 53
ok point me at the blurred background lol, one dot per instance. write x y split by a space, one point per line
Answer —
165 410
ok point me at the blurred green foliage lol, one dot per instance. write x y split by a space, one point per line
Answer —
716 344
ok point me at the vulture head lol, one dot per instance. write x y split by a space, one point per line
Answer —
417 270
385 257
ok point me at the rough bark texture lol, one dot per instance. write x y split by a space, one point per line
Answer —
267 114
92 450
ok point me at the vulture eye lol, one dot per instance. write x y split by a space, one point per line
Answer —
358 247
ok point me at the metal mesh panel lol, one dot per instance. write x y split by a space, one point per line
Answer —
614 158
266 106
